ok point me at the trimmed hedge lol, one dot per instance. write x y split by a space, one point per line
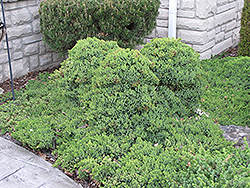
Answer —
64 22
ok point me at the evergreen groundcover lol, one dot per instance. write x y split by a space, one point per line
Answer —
123 118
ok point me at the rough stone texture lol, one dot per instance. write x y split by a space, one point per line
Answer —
205 8
237 134
20 16
34 62
30 49
187 4
193 37
19 67
220 47
45 59
25 40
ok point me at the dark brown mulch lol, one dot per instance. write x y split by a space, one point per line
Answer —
21 82
231 52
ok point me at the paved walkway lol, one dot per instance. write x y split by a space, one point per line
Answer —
20 168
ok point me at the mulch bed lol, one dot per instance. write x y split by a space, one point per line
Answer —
21 82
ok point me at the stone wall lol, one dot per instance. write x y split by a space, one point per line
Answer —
27 50
208 26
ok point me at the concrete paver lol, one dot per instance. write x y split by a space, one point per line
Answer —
20 168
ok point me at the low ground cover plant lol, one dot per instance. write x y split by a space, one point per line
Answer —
112 115
226 90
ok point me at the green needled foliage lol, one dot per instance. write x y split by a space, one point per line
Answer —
244 45
226 90
178 68
112 115
64 22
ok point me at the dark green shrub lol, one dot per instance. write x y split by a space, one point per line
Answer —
82 62
177 66
63 22
244 45
109 118
226 94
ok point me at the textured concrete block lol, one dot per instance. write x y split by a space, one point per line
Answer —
219 37
17 44
13 6
236 36
45 59
8 20
221 2
3 57
20 16
34 11
193 37
209 22
202 48
19 31
225 17
240 5
19 67
205 8
206 55
1 78
17 55
10 43
239 15
191 24
162 23
186 13
36 26
230 26
30 49
34 62
220 47
32 39
161 32
226 7
164 4
42 47
228 34
223 27
187 4
163 14
211 35
218 29
56 57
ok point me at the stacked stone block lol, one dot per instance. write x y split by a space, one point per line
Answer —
208 26
27 50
